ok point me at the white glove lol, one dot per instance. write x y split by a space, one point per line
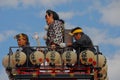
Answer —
46 28
45 37
62 45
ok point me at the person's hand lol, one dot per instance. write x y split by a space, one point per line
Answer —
45 37
62 45
46 28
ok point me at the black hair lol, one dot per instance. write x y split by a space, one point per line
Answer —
55 15
62 21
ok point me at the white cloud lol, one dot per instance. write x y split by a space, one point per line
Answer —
66 15
3 75
5 34
26 3
114 67
97 35
111 13
1 37
8 3
114 41
69 26
51 3
101 37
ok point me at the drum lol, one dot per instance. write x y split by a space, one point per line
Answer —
37 57
101 61
19 58
69 57
87 57
53 57
8 61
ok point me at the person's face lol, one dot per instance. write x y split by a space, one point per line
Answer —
77 36
49 18
21 42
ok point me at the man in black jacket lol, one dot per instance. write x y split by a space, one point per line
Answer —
82 41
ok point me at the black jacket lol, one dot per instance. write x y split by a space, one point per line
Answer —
83 43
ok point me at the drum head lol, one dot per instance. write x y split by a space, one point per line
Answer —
101 61
5 61
37 57
69 57
87 57
53 57
19 58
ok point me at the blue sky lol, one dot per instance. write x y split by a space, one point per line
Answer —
100 19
